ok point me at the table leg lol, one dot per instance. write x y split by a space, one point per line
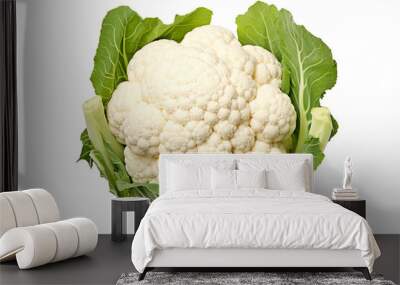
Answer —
140 211
118 222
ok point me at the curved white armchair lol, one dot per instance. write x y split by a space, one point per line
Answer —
31 230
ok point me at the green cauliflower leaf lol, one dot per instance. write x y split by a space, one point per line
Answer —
309 69
124 32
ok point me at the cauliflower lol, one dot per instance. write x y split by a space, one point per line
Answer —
206 94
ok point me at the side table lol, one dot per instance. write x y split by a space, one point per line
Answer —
357 206
119 209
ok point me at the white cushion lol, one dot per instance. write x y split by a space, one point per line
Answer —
27 208
23 208
32 246
187 175
223 179
87 233
67 237
251 179
226 179
40 244
31 233
7 220
45 205
281 174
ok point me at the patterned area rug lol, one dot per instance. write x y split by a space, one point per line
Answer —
244 278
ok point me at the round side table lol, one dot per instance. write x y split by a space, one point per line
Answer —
119 209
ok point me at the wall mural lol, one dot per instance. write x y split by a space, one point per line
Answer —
189 86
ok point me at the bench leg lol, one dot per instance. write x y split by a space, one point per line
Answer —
364 271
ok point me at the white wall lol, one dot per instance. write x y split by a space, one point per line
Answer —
56 44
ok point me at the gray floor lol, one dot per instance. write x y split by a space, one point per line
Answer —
103 266
110 260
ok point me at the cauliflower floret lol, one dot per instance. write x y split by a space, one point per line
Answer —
142 128
174 138
273 115
125 97
263 147
141 168
221 42
215 144
243 140
205 94
268 69
156 66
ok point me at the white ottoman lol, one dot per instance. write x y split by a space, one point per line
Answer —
31 232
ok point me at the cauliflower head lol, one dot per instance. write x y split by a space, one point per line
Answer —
206 94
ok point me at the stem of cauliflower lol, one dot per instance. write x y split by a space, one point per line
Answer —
98 130
321 125
107 153
302 112
302 128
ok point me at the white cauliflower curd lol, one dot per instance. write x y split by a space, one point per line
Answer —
205 94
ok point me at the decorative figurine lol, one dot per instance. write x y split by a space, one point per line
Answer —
348 173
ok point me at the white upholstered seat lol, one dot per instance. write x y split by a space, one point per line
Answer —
31 230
